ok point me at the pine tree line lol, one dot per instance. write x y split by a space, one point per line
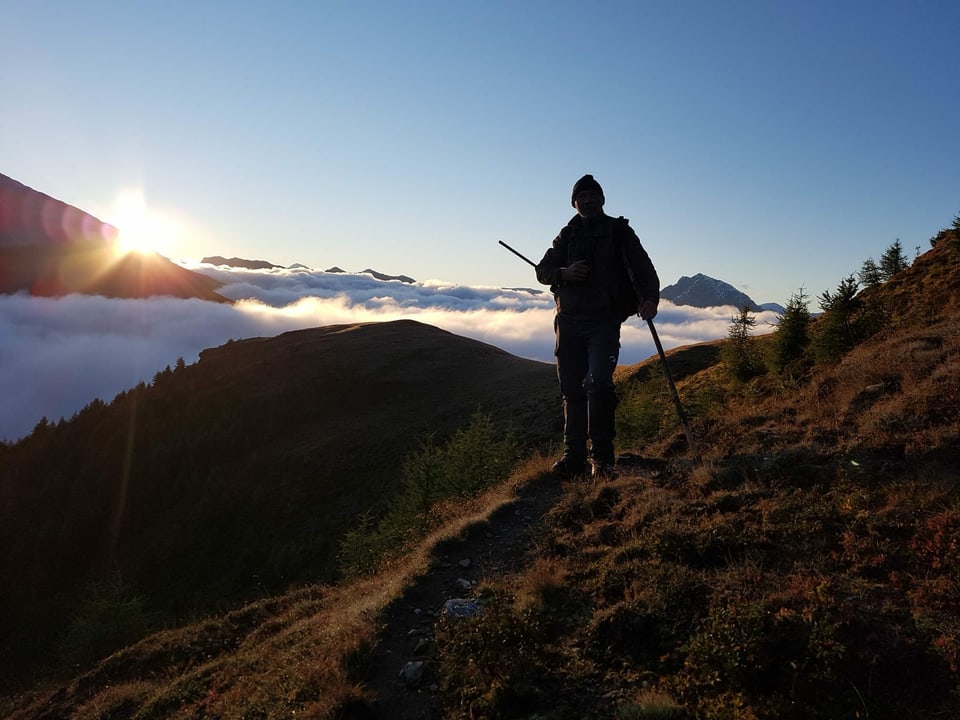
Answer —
847 320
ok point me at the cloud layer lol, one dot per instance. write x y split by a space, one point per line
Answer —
59 354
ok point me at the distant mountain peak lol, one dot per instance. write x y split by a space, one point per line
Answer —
382 276
704 291
239 262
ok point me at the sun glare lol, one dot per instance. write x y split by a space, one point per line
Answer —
140 229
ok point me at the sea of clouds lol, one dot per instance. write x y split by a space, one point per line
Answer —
59 354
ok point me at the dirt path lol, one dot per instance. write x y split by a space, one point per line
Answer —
486 550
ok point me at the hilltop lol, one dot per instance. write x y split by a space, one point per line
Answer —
803 565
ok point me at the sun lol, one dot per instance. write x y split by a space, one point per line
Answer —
141 229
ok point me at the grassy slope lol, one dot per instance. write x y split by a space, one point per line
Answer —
805 566
235 477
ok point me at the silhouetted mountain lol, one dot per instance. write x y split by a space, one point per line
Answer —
30 217
50 248
381 276
239 262
704 291
376 274
195 488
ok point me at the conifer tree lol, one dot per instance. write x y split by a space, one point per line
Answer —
739 354
893 261
870 274
838 332
792 335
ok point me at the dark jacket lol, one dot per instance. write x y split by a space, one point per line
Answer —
601 242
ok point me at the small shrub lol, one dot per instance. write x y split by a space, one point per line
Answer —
361 548
541 583
701 401
109 618
651 705
641 411
476 457
938 542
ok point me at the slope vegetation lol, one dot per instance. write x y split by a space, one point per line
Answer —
803 565
236 477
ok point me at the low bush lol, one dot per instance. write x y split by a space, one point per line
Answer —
474 458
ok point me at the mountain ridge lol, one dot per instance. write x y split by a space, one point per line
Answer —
700 290
239 262
49 248
704 291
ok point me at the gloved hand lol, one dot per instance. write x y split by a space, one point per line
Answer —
576 272
647 309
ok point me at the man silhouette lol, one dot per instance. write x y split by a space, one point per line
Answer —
587 270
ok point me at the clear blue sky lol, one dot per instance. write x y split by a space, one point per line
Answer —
770 144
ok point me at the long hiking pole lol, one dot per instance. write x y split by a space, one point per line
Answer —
522 257
673 387
663 358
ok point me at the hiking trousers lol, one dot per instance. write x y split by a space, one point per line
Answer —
587 350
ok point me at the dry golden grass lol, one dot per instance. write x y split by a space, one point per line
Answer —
806 566
299 653
651 705
538 581
896 390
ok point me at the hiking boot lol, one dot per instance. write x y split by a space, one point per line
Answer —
570 466
602 469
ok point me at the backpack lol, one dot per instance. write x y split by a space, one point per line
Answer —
627 300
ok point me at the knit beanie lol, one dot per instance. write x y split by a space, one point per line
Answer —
585 183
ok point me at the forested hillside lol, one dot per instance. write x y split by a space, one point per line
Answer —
236 477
